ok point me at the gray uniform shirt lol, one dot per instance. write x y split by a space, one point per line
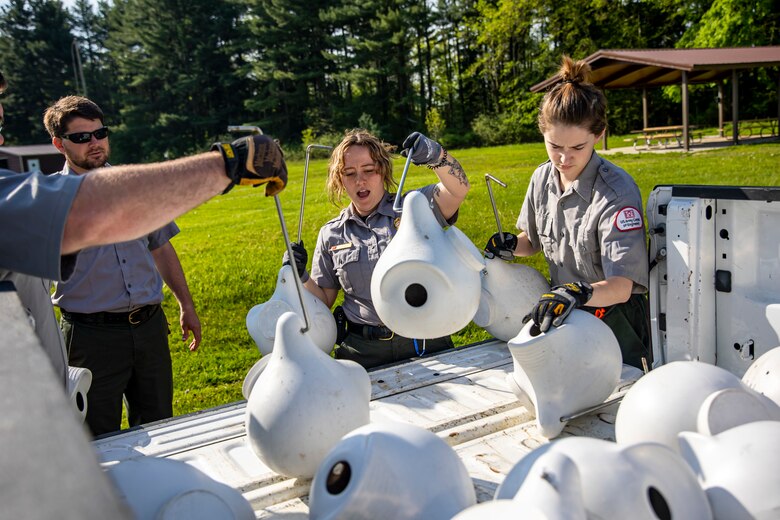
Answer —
116 277
593 230
33 211
348 249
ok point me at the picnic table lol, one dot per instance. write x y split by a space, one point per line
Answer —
662 135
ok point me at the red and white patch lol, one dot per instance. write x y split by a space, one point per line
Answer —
628 219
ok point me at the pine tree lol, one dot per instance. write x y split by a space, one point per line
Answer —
35 41
179 75
291 68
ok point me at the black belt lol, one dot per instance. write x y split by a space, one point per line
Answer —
371 332
134 317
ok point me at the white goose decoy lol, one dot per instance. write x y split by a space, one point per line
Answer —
168 489
731 407
427 282
564 370
738 469
644 481
390 470
763 375
666 401
261 319
303 402
554 489
509 292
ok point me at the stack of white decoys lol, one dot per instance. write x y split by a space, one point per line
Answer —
303 402
668 400
725 428
427 282
644 481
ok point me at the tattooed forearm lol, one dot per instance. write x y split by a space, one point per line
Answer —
456 170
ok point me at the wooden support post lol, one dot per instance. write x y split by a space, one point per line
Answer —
734 107
685 130
721 108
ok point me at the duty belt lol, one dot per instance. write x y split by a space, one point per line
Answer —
134 317
371 332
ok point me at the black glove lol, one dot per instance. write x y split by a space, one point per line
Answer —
301 258
505 249
555 306
423 149
254 160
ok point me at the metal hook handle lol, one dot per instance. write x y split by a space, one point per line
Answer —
305 181
397 206
298 283
489 178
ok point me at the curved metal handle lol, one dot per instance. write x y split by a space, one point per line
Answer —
489 178
397 206
298 283
305 181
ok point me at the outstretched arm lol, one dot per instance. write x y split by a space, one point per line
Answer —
124 202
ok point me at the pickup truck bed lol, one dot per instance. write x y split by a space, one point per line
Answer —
461 395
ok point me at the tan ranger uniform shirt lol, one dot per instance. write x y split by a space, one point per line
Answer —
348 248
593 230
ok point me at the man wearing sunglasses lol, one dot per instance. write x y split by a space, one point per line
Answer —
47 219
112 319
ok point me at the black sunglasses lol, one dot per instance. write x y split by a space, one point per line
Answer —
85 137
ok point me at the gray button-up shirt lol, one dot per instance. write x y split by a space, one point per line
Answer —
593 230
348 248
116 277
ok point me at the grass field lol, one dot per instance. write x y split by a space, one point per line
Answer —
231 247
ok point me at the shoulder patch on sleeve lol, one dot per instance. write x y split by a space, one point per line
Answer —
628 219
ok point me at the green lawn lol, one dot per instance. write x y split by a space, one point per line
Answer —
231 247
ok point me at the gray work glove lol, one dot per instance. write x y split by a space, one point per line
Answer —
301 258
553 307
501 246
423 149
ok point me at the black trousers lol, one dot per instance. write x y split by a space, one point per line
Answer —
630 321
125 359
375 352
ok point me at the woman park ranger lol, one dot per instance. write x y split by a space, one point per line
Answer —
349 246
585 214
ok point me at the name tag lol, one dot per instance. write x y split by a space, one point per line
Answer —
341 246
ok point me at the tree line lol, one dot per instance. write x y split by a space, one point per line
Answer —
171 75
